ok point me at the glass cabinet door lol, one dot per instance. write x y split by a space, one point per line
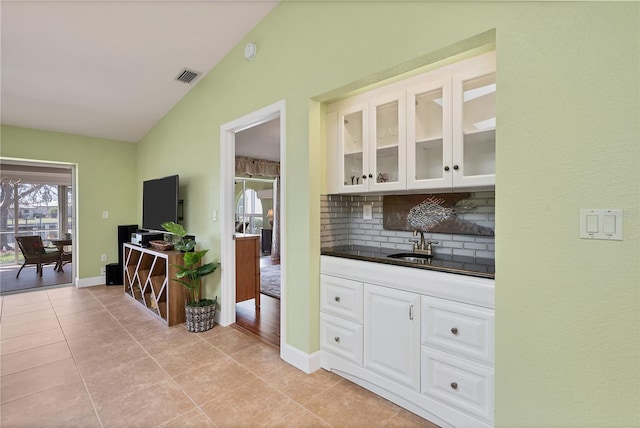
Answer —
475 130
388 144
352 138
429 136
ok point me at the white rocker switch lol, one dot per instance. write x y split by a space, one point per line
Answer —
609 224
592 224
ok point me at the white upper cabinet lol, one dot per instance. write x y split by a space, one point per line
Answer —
435 131
451 127
429 129
474 124
371 145
387 149
353 145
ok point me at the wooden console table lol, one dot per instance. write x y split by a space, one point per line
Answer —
148 275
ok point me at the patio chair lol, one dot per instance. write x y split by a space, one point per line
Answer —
65 257
35 253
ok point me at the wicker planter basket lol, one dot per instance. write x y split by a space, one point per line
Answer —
200 318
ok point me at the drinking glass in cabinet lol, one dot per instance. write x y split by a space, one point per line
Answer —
479 125
353 169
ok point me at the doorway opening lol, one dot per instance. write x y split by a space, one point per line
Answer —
37 202
258 309
252 215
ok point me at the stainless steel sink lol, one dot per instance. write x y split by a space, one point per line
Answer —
412 257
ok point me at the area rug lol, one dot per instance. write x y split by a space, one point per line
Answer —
270 281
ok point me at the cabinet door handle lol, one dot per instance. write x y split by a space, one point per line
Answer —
456 167
446 167
337 299
411 312
337 339
454 330
364 177
454 385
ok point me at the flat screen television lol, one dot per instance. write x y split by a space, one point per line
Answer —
159 202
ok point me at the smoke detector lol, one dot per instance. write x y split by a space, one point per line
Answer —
250 51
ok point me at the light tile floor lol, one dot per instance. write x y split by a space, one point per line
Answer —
92 357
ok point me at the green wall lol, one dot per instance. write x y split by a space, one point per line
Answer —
106 182
567 310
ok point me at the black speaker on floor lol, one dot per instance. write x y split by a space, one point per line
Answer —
124 235
114 274
114 270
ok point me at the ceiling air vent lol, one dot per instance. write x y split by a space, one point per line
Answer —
187 76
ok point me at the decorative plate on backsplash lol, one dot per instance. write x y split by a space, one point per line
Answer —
436 213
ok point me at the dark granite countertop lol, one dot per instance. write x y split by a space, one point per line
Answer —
484 268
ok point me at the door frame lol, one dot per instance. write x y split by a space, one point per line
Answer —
227 210
75 230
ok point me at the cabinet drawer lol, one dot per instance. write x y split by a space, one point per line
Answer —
458 382
457 327
340 337
341 297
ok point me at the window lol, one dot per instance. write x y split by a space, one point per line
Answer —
249 212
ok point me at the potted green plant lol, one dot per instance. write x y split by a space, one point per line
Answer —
199 312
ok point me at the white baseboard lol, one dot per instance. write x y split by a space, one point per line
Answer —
90 282
308 363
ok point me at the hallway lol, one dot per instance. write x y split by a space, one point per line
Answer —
265 322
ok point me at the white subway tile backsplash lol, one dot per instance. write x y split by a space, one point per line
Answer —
485 254
342 224
475 246
468 253
464 238
443 251
452 244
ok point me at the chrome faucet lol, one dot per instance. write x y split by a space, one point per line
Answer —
422 247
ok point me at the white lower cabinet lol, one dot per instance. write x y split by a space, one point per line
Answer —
421 339
392 334
341 337
458 382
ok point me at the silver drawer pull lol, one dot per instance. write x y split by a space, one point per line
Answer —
454 330
337 299
337 339
454 385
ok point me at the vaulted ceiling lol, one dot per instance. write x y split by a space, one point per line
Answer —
107 68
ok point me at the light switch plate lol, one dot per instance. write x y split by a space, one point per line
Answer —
603 224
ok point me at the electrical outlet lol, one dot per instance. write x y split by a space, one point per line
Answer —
103 270
103 258
105 214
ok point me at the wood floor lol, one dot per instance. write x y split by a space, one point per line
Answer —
264 322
